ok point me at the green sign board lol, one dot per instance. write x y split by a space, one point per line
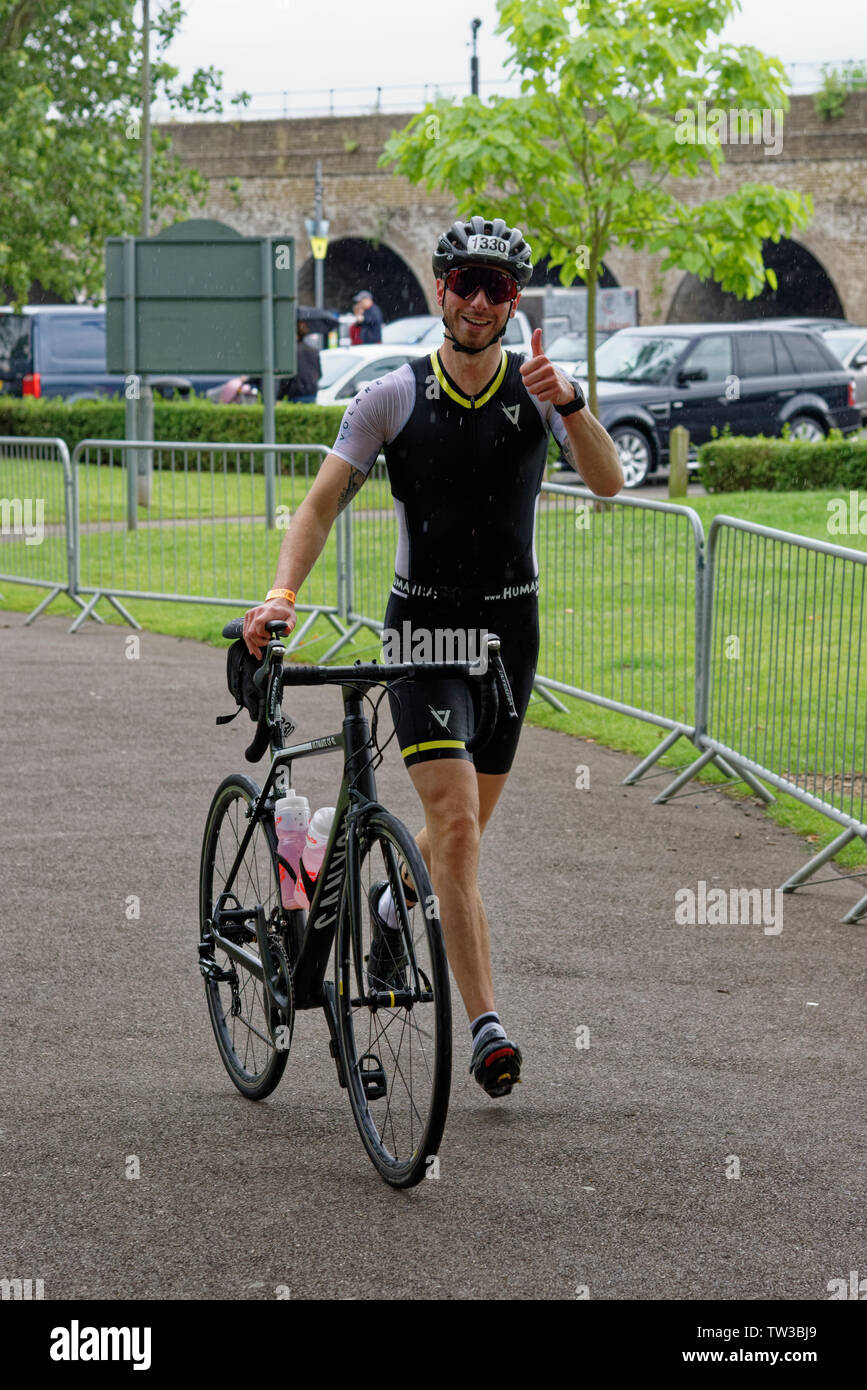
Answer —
200 297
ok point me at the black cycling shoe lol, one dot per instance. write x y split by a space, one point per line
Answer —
496 1064
387 961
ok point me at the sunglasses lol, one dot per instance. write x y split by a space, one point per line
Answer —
467 280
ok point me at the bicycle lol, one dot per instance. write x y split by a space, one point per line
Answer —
263 962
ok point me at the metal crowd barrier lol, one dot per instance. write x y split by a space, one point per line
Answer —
37 530
752 647
186 523
621 583
369 542
621 587
785 630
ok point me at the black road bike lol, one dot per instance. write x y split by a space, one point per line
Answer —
390 1030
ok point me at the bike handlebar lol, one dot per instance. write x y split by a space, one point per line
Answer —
492 678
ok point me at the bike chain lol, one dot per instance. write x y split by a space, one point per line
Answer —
281 955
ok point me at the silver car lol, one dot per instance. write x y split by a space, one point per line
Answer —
850 345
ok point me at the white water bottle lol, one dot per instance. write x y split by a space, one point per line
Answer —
291 818
314 852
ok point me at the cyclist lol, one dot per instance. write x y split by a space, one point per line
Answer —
465 437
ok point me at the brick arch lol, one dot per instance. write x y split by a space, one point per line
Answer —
835 259
415 248
355 263
804 288
545 274
274 163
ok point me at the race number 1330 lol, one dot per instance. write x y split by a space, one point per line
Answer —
488 243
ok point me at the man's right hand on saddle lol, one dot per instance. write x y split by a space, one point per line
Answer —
274 610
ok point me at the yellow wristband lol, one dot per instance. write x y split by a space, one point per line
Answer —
280 593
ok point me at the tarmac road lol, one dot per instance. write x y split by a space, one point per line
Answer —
612 1168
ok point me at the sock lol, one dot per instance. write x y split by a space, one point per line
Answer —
387 910
488 1024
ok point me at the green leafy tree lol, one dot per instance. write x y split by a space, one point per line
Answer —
837 83
70 136
585 157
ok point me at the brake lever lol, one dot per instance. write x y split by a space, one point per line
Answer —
504 684
267 717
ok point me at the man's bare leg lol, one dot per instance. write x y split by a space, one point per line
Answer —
458 803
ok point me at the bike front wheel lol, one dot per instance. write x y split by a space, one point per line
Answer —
395 1011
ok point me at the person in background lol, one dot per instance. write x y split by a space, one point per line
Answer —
369 316
299 389
302 387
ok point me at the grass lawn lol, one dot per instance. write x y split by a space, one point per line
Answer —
184 487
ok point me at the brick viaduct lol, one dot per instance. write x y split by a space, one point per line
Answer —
383 228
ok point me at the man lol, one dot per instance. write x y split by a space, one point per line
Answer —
465 435
368 317
303 386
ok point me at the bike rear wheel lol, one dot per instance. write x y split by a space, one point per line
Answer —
395 1034
252 1035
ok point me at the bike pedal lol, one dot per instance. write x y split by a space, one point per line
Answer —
373 1077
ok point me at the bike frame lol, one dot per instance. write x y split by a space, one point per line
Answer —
338 875
316 938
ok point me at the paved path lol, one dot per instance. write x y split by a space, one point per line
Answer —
608 1168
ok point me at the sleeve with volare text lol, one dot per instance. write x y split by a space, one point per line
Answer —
376 416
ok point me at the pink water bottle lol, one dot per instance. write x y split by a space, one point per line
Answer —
291 817
314 852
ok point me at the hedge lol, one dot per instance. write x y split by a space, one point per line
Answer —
194 421
744 464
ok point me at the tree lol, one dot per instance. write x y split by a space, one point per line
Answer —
70 128
583 157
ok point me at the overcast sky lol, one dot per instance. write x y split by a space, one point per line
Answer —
271 45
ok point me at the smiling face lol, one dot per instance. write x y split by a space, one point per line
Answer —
473 322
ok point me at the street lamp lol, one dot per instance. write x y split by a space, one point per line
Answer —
475 25
317 230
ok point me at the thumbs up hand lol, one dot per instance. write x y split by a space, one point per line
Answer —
542 379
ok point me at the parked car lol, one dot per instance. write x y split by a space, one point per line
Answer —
58 350
409 330
817 325
346 370
754 379
850 345
236 391
569 351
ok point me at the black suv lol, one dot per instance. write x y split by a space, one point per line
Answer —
754 378
59 350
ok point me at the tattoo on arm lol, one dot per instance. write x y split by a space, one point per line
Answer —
569 454
356 478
